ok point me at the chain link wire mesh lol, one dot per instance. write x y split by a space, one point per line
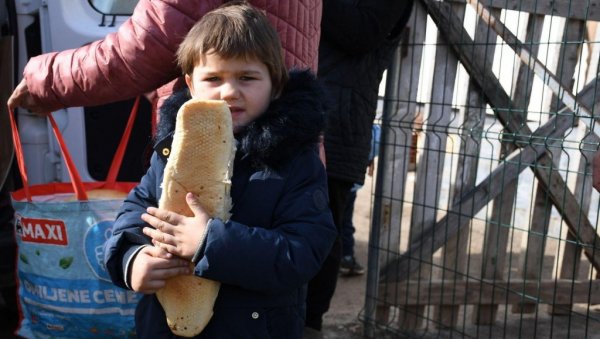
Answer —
484 220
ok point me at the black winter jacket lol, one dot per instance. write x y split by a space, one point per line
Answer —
358 39
280 230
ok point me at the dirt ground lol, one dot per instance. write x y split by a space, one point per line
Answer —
342 320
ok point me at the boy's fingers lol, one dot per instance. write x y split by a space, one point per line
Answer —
194 203
153 286
158 224
154 234
167 273
165 259
160 252
167 248
165 215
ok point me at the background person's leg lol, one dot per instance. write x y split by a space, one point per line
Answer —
322 286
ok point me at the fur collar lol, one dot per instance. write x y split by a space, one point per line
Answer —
291 124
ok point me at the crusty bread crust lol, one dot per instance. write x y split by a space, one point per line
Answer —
200 162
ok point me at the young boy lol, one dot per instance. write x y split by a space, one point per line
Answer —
281 228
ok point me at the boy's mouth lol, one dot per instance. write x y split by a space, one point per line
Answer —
236 110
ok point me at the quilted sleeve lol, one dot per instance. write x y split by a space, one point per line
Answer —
139 57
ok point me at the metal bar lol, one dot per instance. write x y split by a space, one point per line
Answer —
476 291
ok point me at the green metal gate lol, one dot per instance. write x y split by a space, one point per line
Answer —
489 229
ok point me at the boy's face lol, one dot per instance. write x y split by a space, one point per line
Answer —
244 84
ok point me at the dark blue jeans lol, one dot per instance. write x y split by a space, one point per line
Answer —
348 226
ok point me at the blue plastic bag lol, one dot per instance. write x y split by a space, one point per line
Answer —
64 288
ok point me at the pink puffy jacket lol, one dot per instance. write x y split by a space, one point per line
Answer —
140 56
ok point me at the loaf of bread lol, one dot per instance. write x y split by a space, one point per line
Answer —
201 162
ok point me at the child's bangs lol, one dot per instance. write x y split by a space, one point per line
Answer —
231 39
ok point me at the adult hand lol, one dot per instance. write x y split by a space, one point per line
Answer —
21 97
176 233
596 171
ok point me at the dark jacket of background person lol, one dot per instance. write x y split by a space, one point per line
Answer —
357 45
278 184
358 39
140 56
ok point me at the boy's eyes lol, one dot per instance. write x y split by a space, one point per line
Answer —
216 78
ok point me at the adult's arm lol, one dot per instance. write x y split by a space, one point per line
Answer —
358 27
138 58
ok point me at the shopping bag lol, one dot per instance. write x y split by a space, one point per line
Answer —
63 286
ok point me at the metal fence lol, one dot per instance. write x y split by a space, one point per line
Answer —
484 221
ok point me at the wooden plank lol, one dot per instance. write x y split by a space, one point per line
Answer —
496 239
454 256
536 238
398 114
414 292
500 101
522 94
574 9
593 49
521 97
570 264
496 235
524 84
429 175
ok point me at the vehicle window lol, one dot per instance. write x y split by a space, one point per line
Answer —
110 9
114 7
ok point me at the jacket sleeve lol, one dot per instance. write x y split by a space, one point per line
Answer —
358 27
138 58
285 256
127 237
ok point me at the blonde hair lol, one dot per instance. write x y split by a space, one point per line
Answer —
233 30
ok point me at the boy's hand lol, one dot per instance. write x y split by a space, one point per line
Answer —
176 233
151 268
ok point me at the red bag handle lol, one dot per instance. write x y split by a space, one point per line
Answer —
19 154
71 168
115 166
78 186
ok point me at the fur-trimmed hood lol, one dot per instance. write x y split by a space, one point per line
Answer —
291 124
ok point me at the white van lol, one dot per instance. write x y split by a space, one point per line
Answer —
91 133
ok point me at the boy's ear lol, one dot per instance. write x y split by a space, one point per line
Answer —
188 81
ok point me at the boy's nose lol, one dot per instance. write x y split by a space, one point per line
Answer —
228 90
